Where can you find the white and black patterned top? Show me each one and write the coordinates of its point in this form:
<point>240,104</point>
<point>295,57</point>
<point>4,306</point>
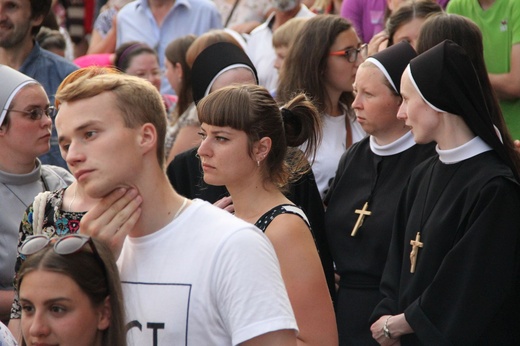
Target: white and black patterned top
<point>269,216</point>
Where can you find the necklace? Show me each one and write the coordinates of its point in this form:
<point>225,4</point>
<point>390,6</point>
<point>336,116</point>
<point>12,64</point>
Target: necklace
<point>364,212</point>
<point>181,208</point>
<point>427,212</point>
<point>73,198</point>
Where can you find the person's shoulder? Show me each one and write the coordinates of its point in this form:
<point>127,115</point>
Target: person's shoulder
<point>201,208</point>
<point>262,27</point>
<point>206,8</point>
<point>201,4</point>
<point>6,338</point>
<point>424,151</point>
<point>57,176</point>
<point>220,220</point>
<point>305,12</point>
<point>420,170</point>
<point>58,61</point>
<point>357,151</point>
<point>131,7</point>
<point>361,145</point>
<point>514,5</point>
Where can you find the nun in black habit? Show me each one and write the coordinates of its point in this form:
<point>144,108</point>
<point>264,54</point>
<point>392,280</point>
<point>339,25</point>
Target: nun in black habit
<point>362,200</point>
<point>452,273</point>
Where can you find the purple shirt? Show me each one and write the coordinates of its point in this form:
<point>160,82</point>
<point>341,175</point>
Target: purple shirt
<point>367,16</point>
<point>443,3</point>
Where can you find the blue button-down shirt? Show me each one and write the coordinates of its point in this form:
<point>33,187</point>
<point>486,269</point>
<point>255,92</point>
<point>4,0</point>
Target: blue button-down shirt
<point>135,22</point>
<point>49,70</point>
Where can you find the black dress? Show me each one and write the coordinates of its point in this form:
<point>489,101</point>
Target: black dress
<point>186,176</point>
<point>465,289</point>
<point>364,176</point>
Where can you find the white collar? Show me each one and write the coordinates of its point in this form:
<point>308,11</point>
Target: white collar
<point>403,143</point>
<point>469,149</point>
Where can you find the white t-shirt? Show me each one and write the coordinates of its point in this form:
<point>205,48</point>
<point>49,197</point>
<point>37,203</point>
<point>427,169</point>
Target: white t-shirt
<point>332,146</point>
<point>207,278</point>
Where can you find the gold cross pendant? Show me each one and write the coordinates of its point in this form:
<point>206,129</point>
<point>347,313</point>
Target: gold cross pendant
<point>362,213</point>
<point>416,244</point>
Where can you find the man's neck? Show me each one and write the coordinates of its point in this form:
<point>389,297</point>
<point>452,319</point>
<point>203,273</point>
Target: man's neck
<point>15,56</point>
<point>160,9</point>
<point>160,204</point>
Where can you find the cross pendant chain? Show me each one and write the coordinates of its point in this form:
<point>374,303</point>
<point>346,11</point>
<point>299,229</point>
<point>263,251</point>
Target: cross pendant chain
<point>362,213</point>
<point>416,244</point>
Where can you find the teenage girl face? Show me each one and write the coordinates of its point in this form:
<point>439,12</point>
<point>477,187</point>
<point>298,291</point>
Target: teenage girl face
<point>147,67</point>
<point>375,104</point>
<point>55,311</point>
<point>340,73</point>
<point>409,32</point>
<point>26,136</point>
<point>418,115</point>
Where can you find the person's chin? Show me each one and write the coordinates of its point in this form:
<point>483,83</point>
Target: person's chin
<point>97,189</point>
<point>208,179</point>
<point>420,139</point>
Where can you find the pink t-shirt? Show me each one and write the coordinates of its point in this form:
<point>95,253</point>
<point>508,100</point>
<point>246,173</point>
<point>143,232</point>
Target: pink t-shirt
<point>105,59</point>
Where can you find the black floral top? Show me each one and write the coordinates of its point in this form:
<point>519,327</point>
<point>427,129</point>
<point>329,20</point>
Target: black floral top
<point>56,223</point>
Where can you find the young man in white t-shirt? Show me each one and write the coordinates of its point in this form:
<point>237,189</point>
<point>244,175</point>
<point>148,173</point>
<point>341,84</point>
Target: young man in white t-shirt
<point>192,273</point>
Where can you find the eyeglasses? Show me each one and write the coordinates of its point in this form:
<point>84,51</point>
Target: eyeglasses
<point>36,113</point>
<point>352,53</point>
<point>65,245</point>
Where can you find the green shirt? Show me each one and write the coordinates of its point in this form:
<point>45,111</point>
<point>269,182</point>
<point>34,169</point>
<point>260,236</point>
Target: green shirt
<point>500,26</point>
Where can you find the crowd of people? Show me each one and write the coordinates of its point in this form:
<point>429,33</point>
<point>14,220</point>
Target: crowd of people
<point>282,172</point>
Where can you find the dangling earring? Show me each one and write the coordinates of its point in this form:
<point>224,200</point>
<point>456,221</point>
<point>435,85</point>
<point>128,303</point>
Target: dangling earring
<point>258,163</point>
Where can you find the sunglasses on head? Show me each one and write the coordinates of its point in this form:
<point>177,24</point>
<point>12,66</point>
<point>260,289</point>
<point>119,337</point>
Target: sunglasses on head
<point>65,245</point>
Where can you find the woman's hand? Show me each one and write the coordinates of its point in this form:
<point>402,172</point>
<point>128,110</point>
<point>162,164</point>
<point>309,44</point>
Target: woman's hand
<point>517,145</point>
<point>397,327</point>
<point>225,203</point>
<point>378,42</point>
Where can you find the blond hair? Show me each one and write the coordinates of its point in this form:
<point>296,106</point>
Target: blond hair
<point>284,36</point>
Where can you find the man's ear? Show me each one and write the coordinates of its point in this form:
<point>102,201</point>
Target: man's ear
<point>37,21</point>
<point>148,137</point>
